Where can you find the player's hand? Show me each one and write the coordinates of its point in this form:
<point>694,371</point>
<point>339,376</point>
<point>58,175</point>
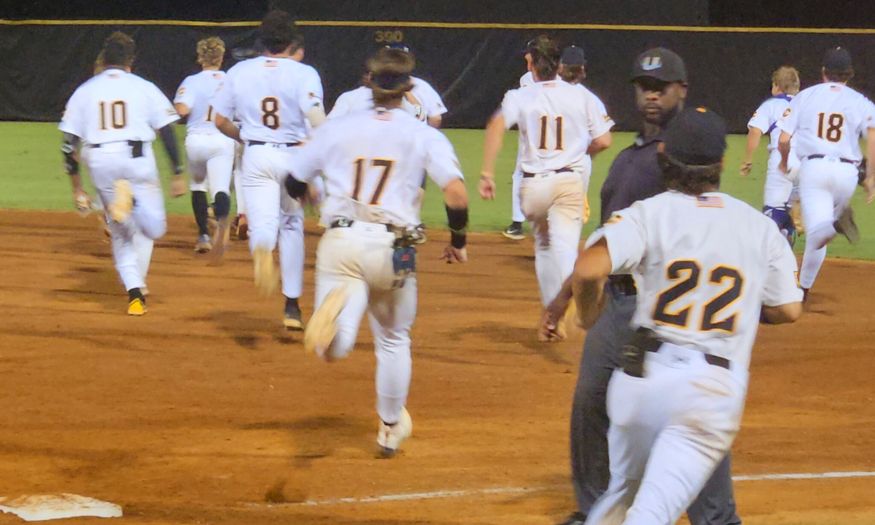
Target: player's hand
<point>782,167</point>
<point>744,171</point>
<point>454,255</point>
<point>314,196</point>
<point>177,186</point>
<point>82,202</point>
<point>487,187</point>
<point>549,330</point>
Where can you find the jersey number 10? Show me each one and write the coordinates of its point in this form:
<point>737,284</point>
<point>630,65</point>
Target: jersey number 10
<point>114,113</point>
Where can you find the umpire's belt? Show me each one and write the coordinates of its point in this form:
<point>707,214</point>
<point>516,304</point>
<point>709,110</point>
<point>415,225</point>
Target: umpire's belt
<point>622,285</point>
<point>136,146</point>
<point>842,159</point>
<point>644,341</point>
<point>262,143</point>
<point>527,175</point>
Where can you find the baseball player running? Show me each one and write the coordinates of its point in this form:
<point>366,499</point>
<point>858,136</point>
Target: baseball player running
<point>676,405</point>
<point>559,123</point>
<point>779,187</point>
<point>514,231</point>
<point>116,114</point>
<point>825,123</point>
<point>373,162</point>
<point>210,154</point>
<point>274,97</point>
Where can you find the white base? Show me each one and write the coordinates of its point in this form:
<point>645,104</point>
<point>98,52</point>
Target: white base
<point>45,507</point>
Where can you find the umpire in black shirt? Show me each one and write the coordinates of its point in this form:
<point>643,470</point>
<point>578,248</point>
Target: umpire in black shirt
<point>660,79</point>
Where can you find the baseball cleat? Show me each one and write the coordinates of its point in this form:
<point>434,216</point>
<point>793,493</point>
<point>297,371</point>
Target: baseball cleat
<point>292,316</point>
<point>514,231</point>
<point>137,307</point>
<point>266,275</point>
<point>847,227</point>
<point>322,327</point>
<point>389,437</point>
<point>123,202</point>
<point>242,228</point>
<point>220,241</point>
<point>203,244</point>
<point>420,237</point>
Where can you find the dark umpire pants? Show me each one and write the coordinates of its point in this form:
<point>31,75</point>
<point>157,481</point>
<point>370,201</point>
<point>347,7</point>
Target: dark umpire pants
<point>589,419</point>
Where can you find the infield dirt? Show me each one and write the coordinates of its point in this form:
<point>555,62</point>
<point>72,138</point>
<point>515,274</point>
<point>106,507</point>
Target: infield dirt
<point>206,411</point>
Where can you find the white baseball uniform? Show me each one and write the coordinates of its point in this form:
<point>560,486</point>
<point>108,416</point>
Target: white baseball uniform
<point>557,121</point>
<point>429,104</point>
<point>271,97</point>
<point>826,122</point>
<point>703,266</point>
<point>113,112</point>
<point>778,186</point>
<point>210,153</point>
<point>373,163</point>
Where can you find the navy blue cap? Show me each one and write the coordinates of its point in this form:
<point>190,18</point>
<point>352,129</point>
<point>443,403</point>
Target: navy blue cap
<point>837,59</point>
<point>696,136</point>
<point>400,46</point>
<point>660,63</point>
<point>572,56</point>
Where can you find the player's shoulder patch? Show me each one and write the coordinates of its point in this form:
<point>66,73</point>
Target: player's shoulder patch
<point>709,201</point>
<point>787,112</point>
<point>614,219</point>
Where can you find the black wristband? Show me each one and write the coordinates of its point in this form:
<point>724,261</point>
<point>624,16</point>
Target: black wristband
<point>457,219</point>
<point>68,148</point>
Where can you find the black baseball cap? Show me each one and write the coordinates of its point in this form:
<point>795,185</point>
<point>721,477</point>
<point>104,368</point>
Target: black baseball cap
<point>837,59</point>
<point>573,56</point>
<point>696,136</point>
<point>660,63</point>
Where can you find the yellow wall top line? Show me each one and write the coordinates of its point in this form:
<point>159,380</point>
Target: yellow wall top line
<point>450,25</point>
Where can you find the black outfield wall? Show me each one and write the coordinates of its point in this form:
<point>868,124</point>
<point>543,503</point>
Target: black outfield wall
<point>471,65</point>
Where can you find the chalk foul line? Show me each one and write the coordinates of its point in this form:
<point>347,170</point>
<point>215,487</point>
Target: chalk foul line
<point>505,491</point>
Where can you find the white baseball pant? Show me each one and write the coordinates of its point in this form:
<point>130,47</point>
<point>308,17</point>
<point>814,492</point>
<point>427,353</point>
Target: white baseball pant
<point>779,186</point>
<point>272,214</point>
<point>516,211</point>
<point>132,239</point>
<point>210,162</point>
<point>238,178</point>
<point>825,190</point>
<point>553,203</point>
<point>669,431</point>
<point>360,258</point>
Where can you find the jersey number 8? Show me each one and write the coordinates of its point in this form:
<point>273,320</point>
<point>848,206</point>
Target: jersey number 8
<point>687,272</point>
<point>270,108</point>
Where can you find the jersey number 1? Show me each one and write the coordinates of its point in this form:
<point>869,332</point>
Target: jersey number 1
<point>116,113</point>
<point>687,273</point>
<point>360,163</point>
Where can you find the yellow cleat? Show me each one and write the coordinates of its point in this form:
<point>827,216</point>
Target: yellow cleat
<point>266,275</point>
<point>322,326</point>
<point>136,307</point>
<point>123,201</point>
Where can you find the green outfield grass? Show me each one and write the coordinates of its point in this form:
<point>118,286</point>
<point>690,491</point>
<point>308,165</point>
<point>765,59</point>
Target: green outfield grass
<point>31,177</point>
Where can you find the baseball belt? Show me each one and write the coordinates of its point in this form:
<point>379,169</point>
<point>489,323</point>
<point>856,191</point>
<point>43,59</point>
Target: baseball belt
<point>527,175</point>
<point>262,143</point>
<point>136,147</point>
<point>842,159</point>
<point>644,340</point>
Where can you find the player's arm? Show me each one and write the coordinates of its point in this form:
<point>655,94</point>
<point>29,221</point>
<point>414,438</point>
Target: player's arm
<point>227,127</point>
<point>782,296</point>
<point>70,149</point>
<point>754,134</point>
<point>456,201</point>
<point>784,149</point>
<point>599,144</point>
<point>491,148</point>
<point>182,109</point>
<point>168,138</point>
<point>785,313</point>
<point>869,181</point>
<point>316,115</point>
<point>591,270</point>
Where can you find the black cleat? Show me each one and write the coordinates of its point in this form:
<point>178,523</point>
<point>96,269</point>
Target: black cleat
<point>514,231</point>
<point>292,316</point>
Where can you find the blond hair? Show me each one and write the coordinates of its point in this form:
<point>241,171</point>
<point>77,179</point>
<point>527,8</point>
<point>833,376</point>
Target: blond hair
<point>787,79</point>
<point>389,75</point>
<point>210,52</point>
